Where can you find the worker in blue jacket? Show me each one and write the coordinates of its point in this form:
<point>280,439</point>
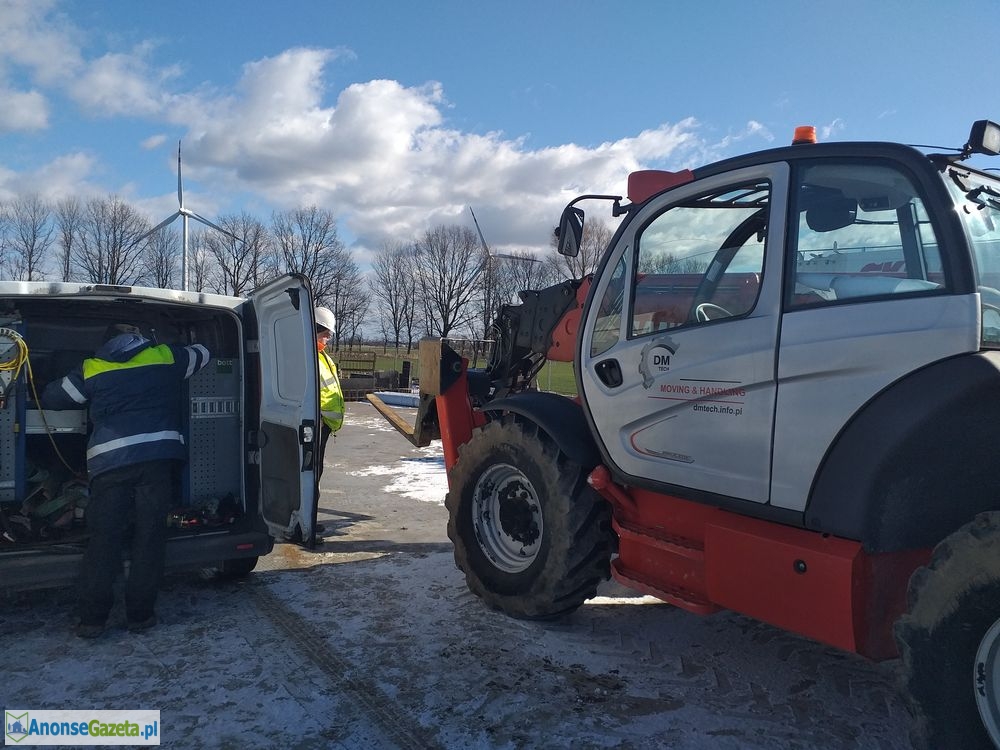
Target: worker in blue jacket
<point>133,388</point>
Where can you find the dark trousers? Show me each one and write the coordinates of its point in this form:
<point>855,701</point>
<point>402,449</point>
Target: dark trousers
<point>324,436</point>
<point>139,497</point>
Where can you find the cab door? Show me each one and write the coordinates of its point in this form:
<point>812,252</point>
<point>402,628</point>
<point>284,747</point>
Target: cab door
<point>871,302</point>
<point>288,430</point>
<point>680,336</point>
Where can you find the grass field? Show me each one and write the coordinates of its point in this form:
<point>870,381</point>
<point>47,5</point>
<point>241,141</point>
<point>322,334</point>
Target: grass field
<point>558,377</point>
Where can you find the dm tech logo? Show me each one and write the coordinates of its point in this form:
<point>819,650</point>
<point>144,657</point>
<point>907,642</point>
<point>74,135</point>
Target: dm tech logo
<point>15,726</point>
<point>655,359</point>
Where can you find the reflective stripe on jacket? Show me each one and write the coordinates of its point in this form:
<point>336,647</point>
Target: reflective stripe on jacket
<point>331,397</point>
<point>134,396</point>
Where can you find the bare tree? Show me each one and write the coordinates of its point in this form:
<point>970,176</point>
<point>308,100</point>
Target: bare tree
<point>394,289</point>
<point>349,299</point>
<point>528,271</point>
<point>491,290</point>
<point>502,278</point>
<point>109,247</point>
<point>201,264</point>
<point>449,260</point>
<point>160,258</point>
<point>308,243</point>
<point>4,225</point>
<point>410,316</point>
<point>664,262</point>
<point>69,218</point>
<point>31,232</point>
<point>244,263</point>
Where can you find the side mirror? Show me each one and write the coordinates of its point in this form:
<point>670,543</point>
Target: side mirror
<point>832,213</point>
<point>570,231</point>
<point>984,138</point>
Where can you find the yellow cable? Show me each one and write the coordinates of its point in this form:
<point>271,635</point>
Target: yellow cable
<point>21,360</point>
<point>22,353</point>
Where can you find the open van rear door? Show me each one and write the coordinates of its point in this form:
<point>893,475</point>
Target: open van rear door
<point>289,407</point>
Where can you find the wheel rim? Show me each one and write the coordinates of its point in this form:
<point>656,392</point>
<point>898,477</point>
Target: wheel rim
<point>986,681</point>
<point>507,517</point>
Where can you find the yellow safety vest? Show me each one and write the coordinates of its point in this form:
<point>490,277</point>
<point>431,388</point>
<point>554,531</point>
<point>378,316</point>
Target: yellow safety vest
<point>154,355</point>
<point>331,397</point>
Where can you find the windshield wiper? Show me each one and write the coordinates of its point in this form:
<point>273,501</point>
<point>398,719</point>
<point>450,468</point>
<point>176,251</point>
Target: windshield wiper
<point>978,196</point>
<point>982,195</point>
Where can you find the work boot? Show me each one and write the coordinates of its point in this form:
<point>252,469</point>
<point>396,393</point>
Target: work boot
<point>89,630</point>
<point>142,626</point>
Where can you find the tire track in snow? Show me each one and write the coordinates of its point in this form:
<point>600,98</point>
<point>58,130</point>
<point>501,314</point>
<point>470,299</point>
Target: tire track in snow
<point>384,713</point>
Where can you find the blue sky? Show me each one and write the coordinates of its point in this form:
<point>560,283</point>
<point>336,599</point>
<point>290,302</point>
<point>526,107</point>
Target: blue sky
<point>399,115</point>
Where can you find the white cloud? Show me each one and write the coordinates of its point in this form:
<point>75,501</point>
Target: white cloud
<point>23,110</point>
<point>65,176</point>
<point>40,44</point>
<point>756,128</point>
<point>382,155</point>
<point>35,38</point>
<point>385,158</point>
<point>828,131</point>
<point>154,141</point>
<point>122,84</point>
<point>753,129</point>
<point>36,47</point>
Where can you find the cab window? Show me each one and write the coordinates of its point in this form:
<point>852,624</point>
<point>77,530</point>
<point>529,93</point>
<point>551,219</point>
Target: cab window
<point>608,324</point>
<point>863,233</point>
<point>977,198</point>
<point>700,261</point>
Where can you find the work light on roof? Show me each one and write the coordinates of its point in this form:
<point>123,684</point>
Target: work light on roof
<point>984,139</point>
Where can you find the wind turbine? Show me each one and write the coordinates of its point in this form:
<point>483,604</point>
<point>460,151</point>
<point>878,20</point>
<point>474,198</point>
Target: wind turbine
<point>487,265</point>
<point>185,214</point>
<point>490,294</point>
<point>490,254</point>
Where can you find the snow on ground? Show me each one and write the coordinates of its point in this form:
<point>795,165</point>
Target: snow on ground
<point>622,671</point>
<point>421,478</point>
<point>372,421</point>
<point>374,641</point>
<point>395,652</point>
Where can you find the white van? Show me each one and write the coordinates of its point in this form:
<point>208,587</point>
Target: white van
<point>250,423</point>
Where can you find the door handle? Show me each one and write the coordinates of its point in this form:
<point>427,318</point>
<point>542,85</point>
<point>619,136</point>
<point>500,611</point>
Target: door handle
<point>609,372</point>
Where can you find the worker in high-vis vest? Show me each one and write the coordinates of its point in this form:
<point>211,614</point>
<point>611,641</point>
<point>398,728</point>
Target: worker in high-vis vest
<point>331,397</point>
<point>134,391</point>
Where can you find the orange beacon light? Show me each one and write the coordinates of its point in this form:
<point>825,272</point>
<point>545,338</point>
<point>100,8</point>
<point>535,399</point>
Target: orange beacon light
<point>804,134</point>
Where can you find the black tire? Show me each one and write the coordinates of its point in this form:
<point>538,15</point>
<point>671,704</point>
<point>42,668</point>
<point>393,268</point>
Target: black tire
<point>238,568</point>
<point>953,603</point>
<point>533,539</point>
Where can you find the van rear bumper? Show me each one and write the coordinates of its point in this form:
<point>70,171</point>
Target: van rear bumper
<point>59,565</point>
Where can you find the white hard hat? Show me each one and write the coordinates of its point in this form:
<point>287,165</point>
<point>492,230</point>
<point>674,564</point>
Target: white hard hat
<point>326,318</point>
